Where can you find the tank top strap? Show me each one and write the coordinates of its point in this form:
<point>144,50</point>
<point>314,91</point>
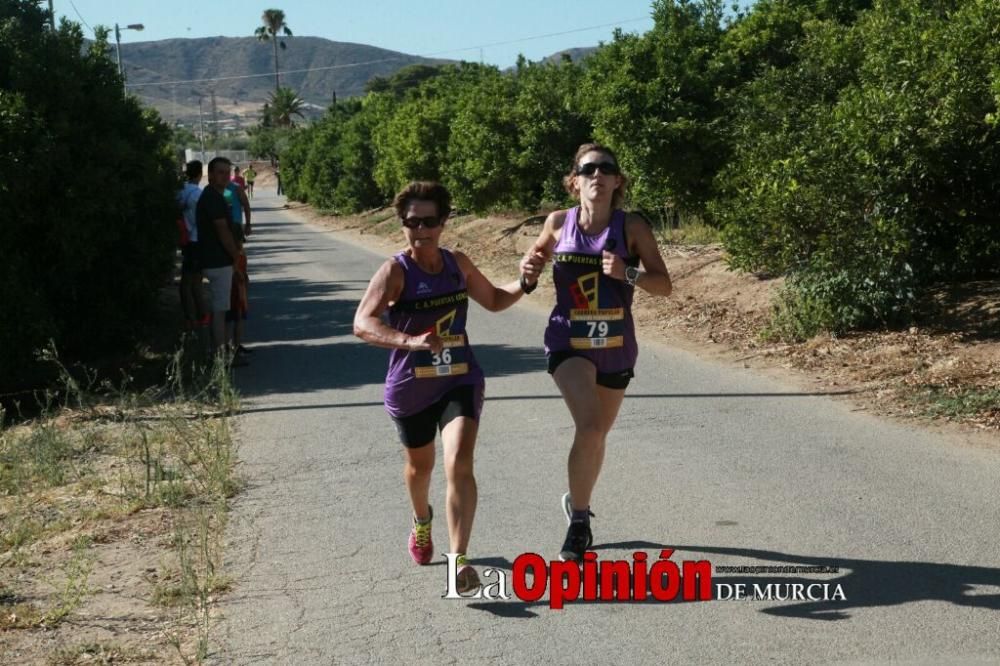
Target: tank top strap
<point>570,226</point>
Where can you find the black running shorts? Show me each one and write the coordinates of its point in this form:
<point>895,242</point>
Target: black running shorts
<point>421,428</point>
<point>611,380</point>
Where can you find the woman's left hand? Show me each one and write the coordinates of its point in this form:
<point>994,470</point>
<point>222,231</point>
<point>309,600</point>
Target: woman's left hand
<point>613,265</point>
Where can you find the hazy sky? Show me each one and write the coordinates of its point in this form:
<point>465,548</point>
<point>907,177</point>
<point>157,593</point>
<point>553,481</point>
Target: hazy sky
<point>447,28</point>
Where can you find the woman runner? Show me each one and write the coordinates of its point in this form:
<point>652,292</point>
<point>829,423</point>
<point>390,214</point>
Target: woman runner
<point>590,340</point>
<point>433,382</point>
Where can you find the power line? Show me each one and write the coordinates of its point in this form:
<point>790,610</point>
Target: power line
<point>390,59</point>
<point>80,16</point>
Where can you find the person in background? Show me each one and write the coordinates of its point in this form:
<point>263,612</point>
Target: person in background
<point>192,301</point>
<point>250,175</point>
<point>237,314</point>
<point>217,250</point>
<point>237,178</point>
<point>236,198</point>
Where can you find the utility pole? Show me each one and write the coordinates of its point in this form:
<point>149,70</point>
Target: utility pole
<point>215,122</point>
<point>118,50</point>
<point>201,123</point>
<point>52,17</point>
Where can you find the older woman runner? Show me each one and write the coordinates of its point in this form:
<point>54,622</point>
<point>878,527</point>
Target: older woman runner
<point>434,381</point>
<point>590,340</point>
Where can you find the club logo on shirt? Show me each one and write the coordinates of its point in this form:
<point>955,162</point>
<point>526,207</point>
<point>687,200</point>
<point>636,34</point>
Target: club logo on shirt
<point>584,292</point>
<point>444,323</point>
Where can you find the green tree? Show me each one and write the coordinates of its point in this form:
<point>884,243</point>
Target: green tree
<point>654,99</point>
<point>283,105</point>
<point>272,28</point>
<point>87,179</point>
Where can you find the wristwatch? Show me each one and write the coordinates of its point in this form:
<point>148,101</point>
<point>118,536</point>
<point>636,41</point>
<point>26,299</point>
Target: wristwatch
<point>528,288</point>
<point>631,275</point>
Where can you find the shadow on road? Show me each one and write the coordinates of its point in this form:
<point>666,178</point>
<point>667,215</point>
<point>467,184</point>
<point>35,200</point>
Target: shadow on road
<point>555,396</point>
<point>866,583</point>
<point>294,327</point>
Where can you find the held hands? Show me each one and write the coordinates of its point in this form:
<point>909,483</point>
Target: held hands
<point>532,265</point>
<point>613,265</point>
<point>429,340</point>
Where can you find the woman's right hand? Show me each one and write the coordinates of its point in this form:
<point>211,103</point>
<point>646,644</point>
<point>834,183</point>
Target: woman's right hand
<point>425,341</point>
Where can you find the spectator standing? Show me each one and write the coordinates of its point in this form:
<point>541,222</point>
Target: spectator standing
<point>192,301</point>
<point>237,178</point>
<point>217,249</point>
<point>236,198</point>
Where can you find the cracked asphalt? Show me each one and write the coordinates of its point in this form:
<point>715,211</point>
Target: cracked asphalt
<point>707,459</point>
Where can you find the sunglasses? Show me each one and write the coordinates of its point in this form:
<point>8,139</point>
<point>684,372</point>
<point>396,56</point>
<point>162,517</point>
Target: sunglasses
<point>428,222</point>
<point>590,168</point>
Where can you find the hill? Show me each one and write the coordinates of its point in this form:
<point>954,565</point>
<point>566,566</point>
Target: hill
<point>238,100</point>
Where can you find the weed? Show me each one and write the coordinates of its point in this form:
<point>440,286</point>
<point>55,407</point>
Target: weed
<point>957,403</point>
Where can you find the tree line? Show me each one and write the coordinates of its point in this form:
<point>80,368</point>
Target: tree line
<point>851,145</point>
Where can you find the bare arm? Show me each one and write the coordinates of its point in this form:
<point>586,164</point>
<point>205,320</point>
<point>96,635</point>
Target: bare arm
<point>654,278</point>
<point>385,288</point>
<point>534,261</point>
<point>245,203</point>
<point>482,291</point>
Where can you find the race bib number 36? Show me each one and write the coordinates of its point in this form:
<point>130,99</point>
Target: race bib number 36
<point>597,329</point>
<point>451,361</point>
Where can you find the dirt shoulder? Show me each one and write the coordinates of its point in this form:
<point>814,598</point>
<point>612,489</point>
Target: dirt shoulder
<point>113,502</point>
<point>942,373</point>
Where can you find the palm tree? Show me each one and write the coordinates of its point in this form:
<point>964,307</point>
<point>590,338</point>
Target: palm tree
<point>273,23</point>
<point>282,105</point>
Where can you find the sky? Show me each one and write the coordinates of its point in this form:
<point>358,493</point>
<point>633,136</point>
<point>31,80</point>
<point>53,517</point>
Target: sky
<point>455,29</point>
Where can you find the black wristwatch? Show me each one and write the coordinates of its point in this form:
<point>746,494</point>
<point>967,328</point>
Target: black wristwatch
<point>528,288</point>
<point>631,275</point>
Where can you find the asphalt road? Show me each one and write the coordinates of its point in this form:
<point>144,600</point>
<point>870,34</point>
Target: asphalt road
<point>709,460</point>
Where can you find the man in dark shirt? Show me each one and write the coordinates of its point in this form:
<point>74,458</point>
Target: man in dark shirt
<point>216,245</point>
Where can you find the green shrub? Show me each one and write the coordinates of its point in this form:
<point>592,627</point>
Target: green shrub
<point>87,180</point>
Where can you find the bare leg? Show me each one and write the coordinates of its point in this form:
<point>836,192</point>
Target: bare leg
<point>459,446</point>
<point>594,409</point>
<point>417,474</point>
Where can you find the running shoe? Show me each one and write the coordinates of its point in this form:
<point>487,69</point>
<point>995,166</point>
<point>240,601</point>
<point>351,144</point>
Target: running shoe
<point>466,580</point>
<point>578,539</point>
<point>420,545</point>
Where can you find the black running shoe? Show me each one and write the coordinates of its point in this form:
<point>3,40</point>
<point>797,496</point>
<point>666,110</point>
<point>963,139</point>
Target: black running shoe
<point>578,540</point>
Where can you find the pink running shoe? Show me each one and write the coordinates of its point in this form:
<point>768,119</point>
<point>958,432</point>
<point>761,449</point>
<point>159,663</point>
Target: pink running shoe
<point>420,544</point>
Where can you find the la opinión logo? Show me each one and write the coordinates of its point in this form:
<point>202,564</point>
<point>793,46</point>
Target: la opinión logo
<point>638,579</point>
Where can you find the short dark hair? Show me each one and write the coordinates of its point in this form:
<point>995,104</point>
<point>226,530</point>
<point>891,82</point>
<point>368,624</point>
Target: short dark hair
<point>193,169</point>
<point>423,190</point>
<point>219,160</point>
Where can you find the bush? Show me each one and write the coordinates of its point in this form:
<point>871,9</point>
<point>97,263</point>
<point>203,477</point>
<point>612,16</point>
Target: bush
<point>88,184</point>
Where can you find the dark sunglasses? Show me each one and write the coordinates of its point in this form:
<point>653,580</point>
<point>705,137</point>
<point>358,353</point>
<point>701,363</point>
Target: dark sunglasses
<point>590,168</point>
<point>428,222</point>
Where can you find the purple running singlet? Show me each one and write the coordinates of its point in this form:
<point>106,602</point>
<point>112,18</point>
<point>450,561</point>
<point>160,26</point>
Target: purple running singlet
<point>593,313</point>
<point>435,303</point>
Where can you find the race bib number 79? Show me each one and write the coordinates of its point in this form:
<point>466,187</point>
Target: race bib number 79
<point>597,328</point>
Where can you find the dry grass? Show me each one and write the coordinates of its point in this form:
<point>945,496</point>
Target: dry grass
<point>108,495</point>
